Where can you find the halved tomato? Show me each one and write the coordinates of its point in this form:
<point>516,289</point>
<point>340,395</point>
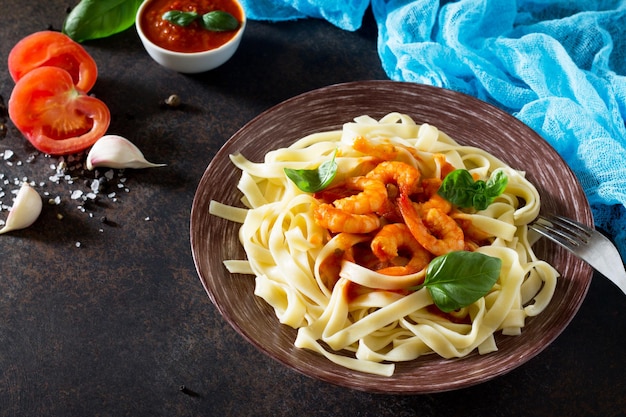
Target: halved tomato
<point>48,48</point>
<point>54,115</point>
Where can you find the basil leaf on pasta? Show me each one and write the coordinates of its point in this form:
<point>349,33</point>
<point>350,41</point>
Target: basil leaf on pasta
<point>458,279</point>
<point>459,188</point>
<point>313,180</point>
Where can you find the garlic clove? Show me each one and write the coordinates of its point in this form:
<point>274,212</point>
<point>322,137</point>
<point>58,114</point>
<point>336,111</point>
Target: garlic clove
<point>113,151</point>
<point>26,209</point>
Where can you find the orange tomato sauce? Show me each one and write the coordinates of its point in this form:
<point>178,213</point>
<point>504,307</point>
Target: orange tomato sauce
<point>191,38</point>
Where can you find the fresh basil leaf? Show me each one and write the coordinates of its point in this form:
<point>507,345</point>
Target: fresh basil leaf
<point>219,21</point>
<point>459,188</point>
<point>459,278</point>
<point>496,184</point>
<point>93,19</point>
<point>313,180</point>
<point>180,18</point>
<point>480,199</point>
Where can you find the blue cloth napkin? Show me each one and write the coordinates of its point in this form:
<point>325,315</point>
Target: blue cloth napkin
<point>345,14</point>
<point>557,65</point>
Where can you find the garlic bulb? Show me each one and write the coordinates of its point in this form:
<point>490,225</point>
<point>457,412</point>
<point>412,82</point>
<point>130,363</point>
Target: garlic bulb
<point>113,151</point>
<point>26,209</point>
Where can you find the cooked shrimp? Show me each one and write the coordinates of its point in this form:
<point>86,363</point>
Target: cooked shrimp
<point>385,150</point>
<point>390,212</point>
<point>405,176</point>
<point>436,201</point>
<point>372,196</point>
<point>391,242</point>
<point>431,199</point>
<point>430,186</point>
<point>437,232</point>
<point>338,249</point>
<point>337,220</point>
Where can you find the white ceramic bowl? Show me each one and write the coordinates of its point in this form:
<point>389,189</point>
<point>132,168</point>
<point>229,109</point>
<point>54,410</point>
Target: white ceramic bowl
<point>190,62</point>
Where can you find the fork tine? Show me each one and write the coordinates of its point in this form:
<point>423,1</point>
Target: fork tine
<point>553,230</point>
<point>584,242</point>
<point>564,222</point>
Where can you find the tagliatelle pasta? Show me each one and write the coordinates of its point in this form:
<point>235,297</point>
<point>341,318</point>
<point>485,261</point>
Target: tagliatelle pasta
<point>360,317</point>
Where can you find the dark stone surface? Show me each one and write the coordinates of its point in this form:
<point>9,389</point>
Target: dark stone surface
<point>117,325</point>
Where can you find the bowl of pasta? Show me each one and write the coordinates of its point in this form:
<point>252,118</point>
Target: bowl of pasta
<point>331,233</point>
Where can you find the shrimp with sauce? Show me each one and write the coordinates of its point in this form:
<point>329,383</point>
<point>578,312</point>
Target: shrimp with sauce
<point>371,197</point>
<point>393,241</point>
<point>337,220</point>
<point>474,236</point>
<point>430,187</point>
<point>436,231</point>
<point>435,201</point>
<point>384,150</point>
<point>401,174</point>
<point>340,248</point>
<point>354,213</point>
<point>398,177</point>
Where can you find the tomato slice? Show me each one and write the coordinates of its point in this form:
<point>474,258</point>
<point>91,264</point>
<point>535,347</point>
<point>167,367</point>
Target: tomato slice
<point>54,115</point>
<point>48,48</point>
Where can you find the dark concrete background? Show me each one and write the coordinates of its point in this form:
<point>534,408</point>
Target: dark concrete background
<point>108,318</point>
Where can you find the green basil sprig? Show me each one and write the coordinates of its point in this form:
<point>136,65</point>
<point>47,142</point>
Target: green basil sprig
<point>459,278</point>
<point>215,21</point>
<point>180,18</point>
<point>459,188</point>
<point>219,21</point>
<point>93,19</point>
<point>313,180</point>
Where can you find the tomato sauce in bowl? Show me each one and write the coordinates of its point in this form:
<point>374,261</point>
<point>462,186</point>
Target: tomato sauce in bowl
<point>191,38</point>
<point>191,48</point>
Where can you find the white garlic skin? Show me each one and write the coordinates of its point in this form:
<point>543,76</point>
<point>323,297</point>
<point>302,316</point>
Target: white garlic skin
<point>26,209</point>
<point>113,151</point>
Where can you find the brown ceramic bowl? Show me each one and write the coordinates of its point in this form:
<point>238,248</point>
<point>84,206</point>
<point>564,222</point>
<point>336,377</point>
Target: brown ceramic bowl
<point>470,122</point>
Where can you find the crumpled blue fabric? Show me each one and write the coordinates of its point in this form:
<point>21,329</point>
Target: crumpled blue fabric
<point>557,65</point>
<point>345,14</point>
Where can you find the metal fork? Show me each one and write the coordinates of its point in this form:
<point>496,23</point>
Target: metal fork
<point>586,243</point>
